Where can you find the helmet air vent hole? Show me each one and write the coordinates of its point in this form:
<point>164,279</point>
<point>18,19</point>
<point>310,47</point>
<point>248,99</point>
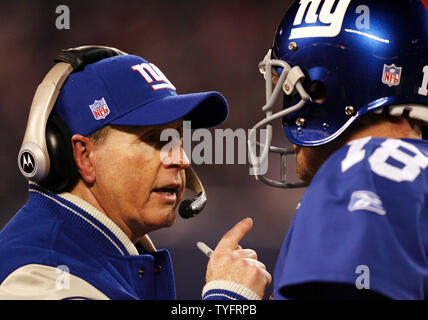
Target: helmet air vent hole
<point>318,92</point>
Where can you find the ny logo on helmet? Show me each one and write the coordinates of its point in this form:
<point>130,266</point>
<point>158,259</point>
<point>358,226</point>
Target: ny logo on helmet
<point>332,20</point>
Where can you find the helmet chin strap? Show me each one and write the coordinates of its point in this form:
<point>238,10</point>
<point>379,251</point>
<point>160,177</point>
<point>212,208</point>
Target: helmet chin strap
<point>290,81</point>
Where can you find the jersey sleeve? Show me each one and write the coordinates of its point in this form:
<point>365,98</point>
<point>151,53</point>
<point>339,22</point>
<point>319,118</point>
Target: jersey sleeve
<point>358,227</point>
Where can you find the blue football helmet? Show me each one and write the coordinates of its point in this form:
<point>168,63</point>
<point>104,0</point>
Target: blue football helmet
<point>336,60</point>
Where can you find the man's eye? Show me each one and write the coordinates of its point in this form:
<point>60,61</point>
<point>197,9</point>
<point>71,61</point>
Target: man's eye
<point>155,140</point>
<point>152,138</point>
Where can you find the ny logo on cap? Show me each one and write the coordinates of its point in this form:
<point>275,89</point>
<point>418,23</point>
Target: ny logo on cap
<point>99,109</point>
<point>151,74</point>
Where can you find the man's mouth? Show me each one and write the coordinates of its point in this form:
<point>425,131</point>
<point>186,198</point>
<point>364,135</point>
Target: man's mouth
<point>169,192</point>
<point>166,191</point>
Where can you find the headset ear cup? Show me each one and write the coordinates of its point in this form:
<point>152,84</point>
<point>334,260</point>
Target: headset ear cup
<point>63,174</point>
<point>425,132</point>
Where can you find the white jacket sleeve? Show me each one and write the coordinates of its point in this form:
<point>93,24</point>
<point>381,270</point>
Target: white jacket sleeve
<point>40,282</point>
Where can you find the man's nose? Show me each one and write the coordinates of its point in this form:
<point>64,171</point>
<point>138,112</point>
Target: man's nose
<point>176,157</point>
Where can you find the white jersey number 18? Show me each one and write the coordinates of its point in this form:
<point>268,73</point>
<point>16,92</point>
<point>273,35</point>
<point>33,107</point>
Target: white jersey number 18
<point>394,159</point>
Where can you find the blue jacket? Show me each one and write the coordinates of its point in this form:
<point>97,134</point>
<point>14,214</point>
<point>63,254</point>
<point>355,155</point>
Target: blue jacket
<point>59,230</point>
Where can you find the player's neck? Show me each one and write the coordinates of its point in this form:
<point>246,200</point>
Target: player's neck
<point>397,129</point>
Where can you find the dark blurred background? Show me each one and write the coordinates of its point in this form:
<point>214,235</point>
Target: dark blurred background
<point>200,46</point>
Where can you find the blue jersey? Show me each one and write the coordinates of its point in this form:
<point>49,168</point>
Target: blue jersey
<point>363,221</point>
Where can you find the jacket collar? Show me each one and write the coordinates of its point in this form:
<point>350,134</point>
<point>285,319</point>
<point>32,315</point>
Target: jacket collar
<point>97,221</point>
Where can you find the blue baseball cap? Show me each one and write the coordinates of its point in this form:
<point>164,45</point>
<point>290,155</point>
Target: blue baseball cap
<point>128,90</point>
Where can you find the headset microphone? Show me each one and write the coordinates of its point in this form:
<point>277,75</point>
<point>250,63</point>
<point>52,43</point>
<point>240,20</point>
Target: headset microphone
<point>190,208</point>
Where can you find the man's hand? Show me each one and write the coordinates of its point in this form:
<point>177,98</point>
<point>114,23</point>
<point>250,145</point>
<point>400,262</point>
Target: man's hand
<point>230,262</point>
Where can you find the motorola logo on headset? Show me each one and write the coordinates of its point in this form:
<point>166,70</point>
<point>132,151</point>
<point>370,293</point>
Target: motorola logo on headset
<point>27,163</point>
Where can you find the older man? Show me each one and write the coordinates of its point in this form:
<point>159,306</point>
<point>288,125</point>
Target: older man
<point>88,239</point>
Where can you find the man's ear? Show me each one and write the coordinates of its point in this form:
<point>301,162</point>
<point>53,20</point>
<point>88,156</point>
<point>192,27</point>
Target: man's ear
<point>83,147</point>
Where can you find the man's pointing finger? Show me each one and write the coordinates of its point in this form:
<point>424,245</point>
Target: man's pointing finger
<point>231,239</point>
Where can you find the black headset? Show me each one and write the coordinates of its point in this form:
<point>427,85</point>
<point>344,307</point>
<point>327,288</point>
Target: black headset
<point>46,154</point>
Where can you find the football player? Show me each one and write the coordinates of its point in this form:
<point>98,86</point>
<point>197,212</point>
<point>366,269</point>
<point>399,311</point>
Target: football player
<point>354,80</point>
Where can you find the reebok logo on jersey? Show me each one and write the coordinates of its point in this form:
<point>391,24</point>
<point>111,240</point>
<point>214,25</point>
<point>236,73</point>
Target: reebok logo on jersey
<point>366,201</point>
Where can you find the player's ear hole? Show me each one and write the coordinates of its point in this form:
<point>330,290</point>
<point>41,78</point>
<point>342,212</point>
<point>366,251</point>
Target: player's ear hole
<point>318,92</point>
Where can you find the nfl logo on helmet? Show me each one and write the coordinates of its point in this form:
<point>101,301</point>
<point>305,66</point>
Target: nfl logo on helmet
<point>99,109</point>
<point>391,75</point>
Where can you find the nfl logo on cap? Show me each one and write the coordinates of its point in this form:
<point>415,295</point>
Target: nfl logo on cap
<point>391,75</point>
<point>100,109</point>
